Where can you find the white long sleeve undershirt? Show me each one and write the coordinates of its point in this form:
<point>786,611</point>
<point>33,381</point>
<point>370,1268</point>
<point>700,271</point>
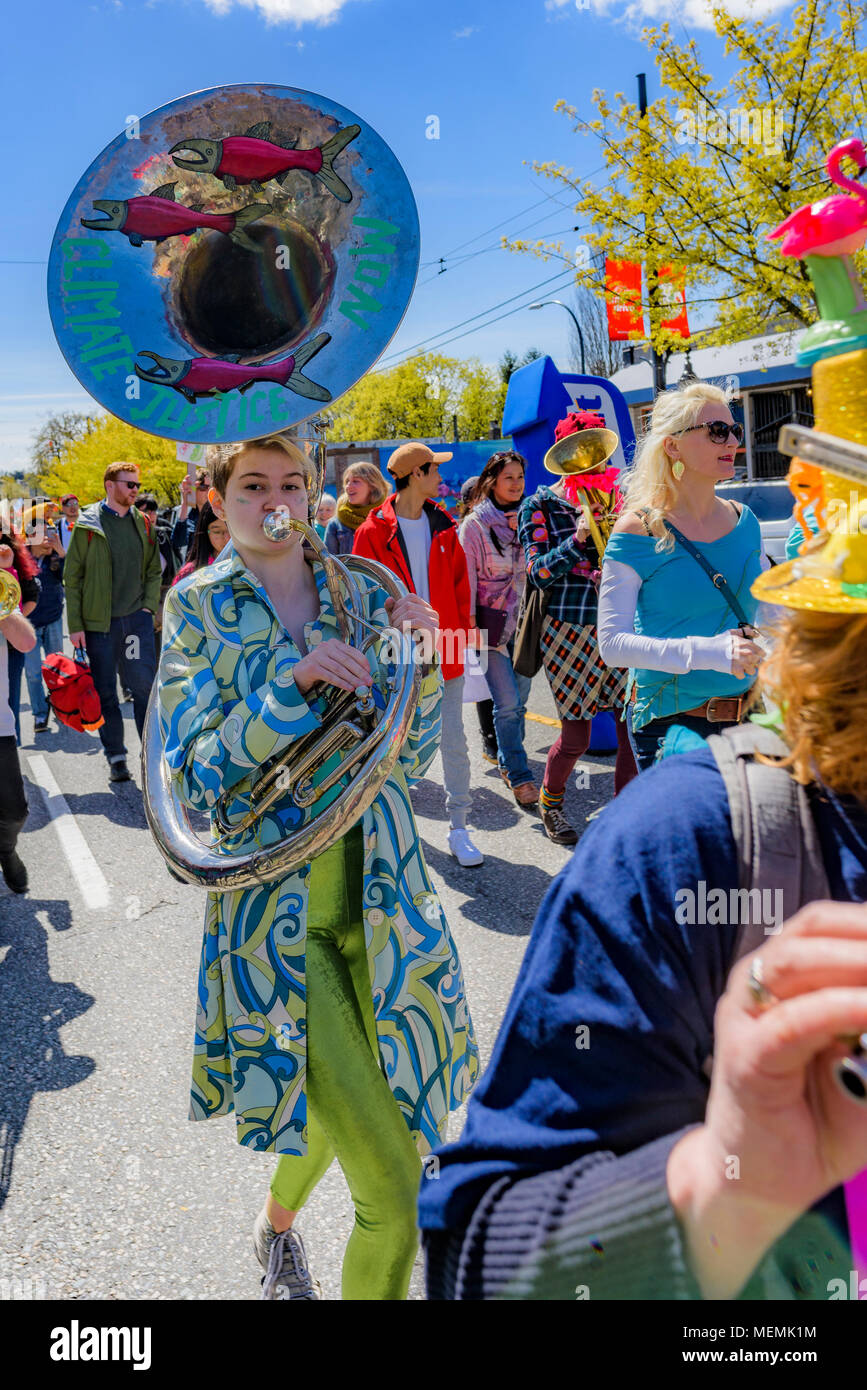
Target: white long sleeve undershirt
<point>620,645</point>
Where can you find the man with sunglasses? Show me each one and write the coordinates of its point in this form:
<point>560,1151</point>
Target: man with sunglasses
<point>112,582</point>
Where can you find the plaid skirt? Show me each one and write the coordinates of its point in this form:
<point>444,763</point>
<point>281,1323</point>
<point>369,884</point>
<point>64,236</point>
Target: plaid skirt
<point>580,682</point>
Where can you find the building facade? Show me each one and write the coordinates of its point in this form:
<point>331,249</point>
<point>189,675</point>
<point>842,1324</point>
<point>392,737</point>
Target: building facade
<point>769,390</point>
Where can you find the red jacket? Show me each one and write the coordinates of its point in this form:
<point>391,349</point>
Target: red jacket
<point>379,538</point>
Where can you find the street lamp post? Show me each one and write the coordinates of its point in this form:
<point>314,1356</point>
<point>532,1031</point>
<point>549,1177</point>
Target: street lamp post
<point>542,304</point>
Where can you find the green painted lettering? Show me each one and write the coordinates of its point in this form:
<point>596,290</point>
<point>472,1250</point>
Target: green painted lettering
<point>165,416</point>
<point>278,405</point>
<point>102,310</point>
<point>365,301</point>
<point>373,271</point>
<point>223,416</point>
<point>257,403</point>
<point>376,224</point>
<point>142,412</point>
<point>120,364</point>
<point>90,288</point>
<point>117,344</point>
<point>71,253</point>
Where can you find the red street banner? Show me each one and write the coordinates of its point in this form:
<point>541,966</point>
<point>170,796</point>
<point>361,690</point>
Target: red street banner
<point>625,314</point>
<point>672,296</point>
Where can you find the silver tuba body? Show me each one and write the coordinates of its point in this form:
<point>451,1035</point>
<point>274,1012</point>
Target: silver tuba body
<point>369,738</point>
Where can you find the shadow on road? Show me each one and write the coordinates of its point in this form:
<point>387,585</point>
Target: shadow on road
<point>33,1009</point>
<point>500,896</point>
<point>122,804</point>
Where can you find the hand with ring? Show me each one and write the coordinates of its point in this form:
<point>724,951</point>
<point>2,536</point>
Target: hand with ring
<point>778,1133</point>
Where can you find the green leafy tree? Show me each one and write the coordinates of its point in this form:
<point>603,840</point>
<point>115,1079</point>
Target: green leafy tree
<point>417,399</point>
<point>508,363</point>
<point>110,440</point>
<point>481,402</point>
<point>700,179</point>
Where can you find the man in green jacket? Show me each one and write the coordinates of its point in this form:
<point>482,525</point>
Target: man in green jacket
<point>112,583</point>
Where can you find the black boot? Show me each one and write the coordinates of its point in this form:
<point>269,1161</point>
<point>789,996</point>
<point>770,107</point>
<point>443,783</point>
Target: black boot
<point>14,872</point>
<point>119,772</point>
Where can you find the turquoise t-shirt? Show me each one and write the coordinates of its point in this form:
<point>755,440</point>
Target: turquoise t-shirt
<point>677,599</point>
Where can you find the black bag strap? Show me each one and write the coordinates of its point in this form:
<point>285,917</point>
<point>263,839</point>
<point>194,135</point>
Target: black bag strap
<point>718,579</point>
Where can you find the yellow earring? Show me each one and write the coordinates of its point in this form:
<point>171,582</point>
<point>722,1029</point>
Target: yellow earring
<point>677,469</point>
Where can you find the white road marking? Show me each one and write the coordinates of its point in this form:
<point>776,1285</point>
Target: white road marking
<point>87,873</point>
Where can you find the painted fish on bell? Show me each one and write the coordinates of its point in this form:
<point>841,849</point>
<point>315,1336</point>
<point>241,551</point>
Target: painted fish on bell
<point>157,215</point>
<point>203,376</point>
<point>253,158</point>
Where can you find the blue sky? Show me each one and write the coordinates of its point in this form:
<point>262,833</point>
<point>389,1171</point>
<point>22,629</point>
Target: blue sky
<point>490,70</point>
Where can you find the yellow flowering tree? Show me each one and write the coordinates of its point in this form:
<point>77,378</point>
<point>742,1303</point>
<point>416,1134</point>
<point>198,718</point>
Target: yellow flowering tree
<point>698,180</point>
<point>82,462</point>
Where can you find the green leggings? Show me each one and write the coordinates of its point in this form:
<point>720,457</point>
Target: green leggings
<point>351,1113</point>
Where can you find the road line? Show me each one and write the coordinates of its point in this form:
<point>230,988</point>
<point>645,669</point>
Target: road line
<point>543,719</point>
<point>87,873</point>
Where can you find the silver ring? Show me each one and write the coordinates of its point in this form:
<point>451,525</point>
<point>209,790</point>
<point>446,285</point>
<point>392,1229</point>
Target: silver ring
<point>761,995</point>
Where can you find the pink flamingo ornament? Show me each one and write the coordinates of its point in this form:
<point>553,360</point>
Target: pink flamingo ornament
<point>836,226</point>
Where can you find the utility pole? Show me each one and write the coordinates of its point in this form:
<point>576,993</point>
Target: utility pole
<point>657,362</point>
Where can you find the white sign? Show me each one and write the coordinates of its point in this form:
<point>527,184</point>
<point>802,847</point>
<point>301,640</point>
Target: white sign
<point>191,453</point>
<point>585,395</point>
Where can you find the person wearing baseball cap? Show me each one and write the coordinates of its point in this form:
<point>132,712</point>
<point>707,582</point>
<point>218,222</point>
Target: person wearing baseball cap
<point>68,517</point>
<point>418,541</point>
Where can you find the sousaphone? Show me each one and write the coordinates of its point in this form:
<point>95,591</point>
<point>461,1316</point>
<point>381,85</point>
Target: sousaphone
<point>229,265</point>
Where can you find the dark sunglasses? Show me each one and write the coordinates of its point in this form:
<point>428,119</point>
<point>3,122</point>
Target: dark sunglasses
<point>123,483</point>
<point>718,431</point>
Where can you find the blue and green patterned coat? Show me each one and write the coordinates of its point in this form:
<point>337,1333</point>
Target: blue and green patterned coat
<point>228,701</point>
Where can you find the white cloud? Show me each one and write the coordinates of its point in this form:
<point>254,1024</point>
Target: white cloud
<point>465,33</point>
<point>694,14</point>
<point>285,11</point>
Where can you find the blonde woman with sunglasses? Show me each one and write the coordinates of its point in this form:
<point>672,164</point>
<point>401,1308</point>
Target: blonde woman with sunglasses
<point>675,605</point>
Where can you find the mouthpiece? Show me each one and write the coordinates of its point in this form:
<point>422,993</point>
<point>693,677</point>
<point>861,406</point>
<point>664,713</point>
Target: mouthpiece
<point>279,525</point>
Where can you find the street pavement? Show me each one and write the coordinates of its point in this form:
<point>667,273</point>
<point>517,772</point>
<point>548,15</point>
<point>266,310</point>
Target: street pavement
<point>110,1193</point>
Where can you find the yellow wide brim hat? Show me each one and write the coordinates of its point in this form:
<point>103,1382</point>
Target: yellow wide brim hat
<point>829,575</point>
<point>582,452</point>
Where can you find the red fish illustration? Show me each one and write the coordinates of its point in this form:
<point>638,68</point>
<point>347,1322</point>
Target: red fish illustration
<point>253,158</point>
<point>202,376</point>
<point>157,216</point>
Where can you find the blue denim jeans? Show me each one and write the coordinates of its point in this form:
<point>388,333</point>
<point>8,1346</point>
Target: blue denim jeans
<point>104,650</point>
<point>647,741</point>
<point>49,638</point>
<point>509,692</point>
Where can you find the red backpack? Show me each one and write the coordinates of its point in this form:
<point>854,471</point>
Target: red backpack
<point>71,691</point>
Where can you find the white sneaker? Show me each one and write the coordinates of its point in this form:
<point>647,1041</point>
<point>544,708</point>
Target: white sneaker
<point>462,847</point>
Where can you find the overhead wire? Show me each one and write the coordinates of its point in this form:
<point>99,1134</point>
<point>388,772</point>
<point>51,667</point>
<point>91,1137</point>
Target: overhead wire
<point>425,342</point>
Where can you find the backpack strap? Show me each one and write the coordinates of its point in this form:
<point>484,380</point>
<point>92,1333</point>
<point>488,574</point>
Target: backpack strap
<point>773,827</point>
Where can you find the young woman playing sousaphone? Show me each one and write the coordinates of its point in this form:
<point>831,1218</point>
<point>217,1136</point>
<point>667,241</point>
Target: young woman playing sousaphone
<point>332,1017</point>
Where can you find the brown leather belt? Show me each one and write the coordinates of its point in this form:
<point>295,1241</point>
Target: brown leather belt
<point>720,709</point>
